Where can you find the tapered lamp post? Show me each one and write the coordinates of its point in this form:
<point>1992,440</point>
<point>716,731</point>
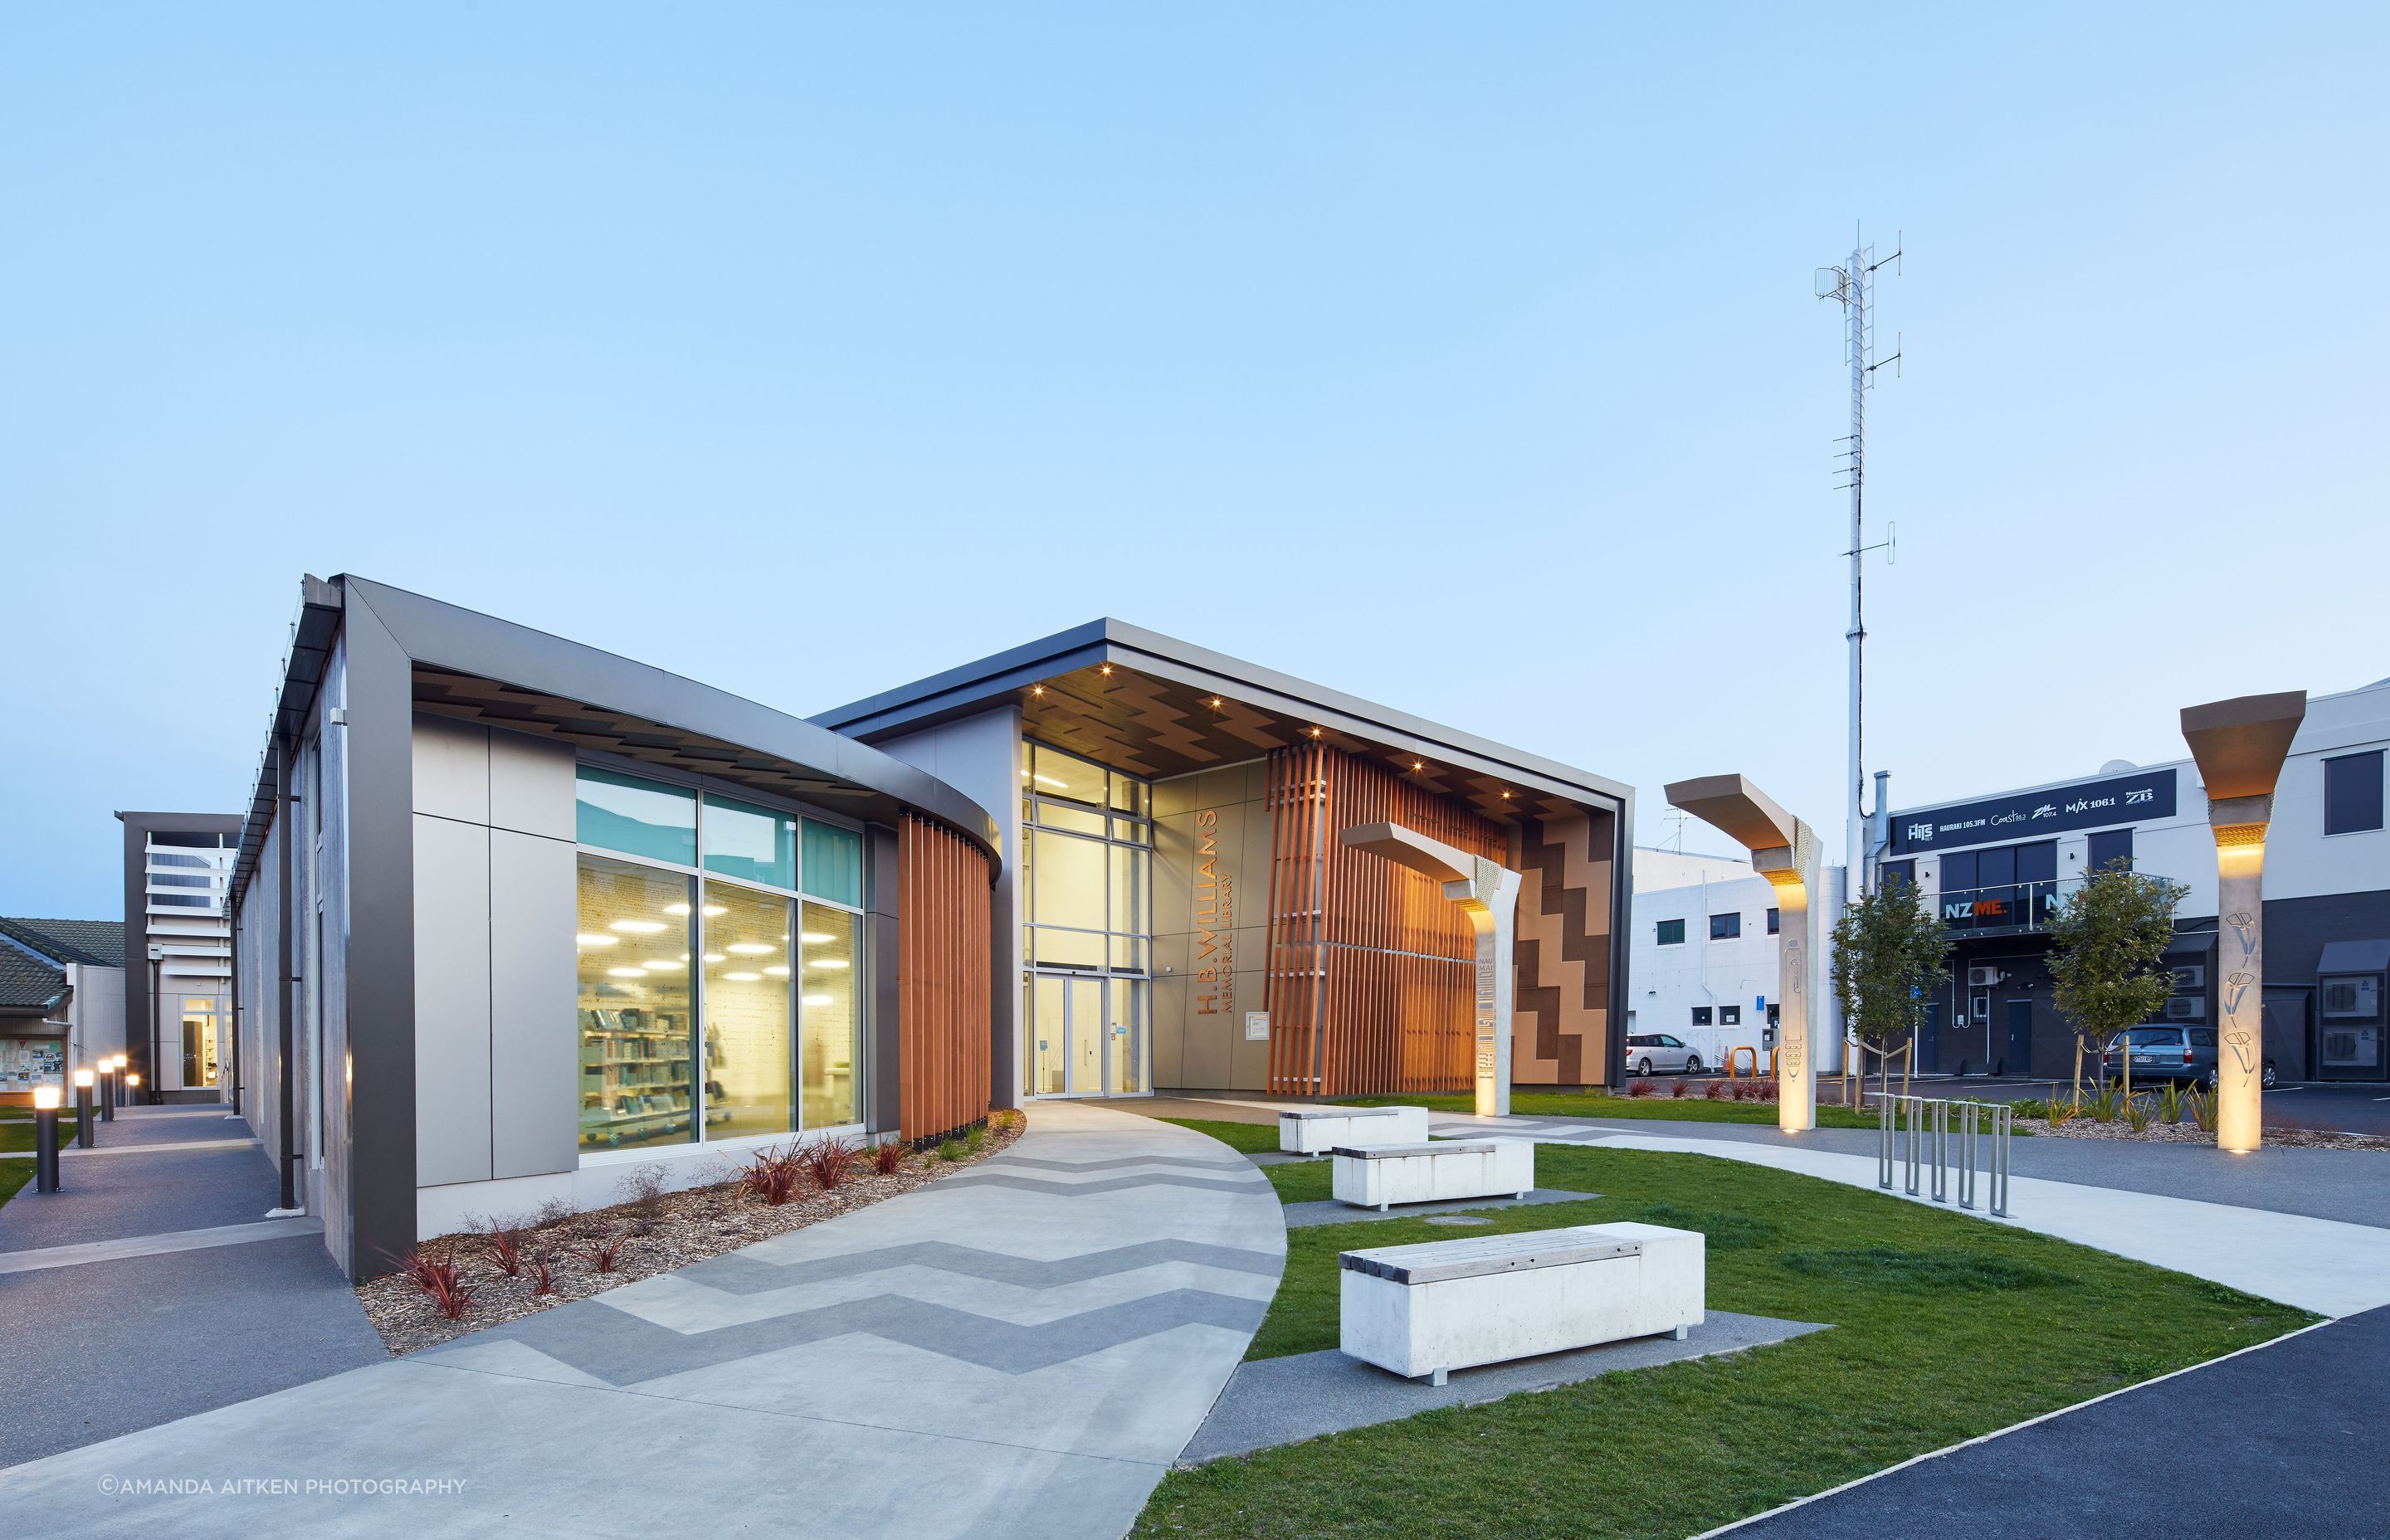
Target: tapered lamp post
<point>1488,894</point>
<point>83,1109</point>
<point>1784,852</point>
<point>108,1089</point>
<point>2240,745</point>
<point>45,1138</point>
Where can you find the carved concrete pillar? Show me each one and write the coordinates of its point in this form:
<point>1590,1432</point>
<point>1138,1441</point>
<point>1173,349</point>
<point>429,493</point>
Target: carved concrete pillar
<point>2240,745</point>
<point>1784,852</point>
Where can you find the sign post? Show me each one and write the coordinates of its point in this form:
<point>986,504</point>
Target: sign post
<point>1784,852</point>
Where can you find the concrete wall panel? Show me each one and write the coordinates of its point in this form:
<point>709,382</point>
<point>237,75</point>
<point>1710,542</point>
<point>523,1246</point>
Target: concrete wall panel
<point>534,1055</point>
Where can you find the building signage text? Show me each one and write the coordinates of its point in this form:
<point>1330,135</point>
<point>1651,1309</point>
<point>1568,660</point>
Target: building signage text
<point>2142,796</point>
<point>1216,920</point>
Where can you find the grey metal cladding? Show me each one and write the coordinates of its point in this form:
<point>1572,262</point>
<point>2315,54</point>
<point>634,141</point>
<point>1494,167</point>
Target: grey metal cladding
<point>449,636</point>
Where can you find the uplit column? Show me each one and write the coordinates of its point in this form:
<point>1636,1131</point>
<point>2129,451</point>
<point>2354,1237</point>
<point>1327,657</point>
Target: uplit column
<point>2238,746</point>
<point>1488,894</point>
<point>1784,851</point>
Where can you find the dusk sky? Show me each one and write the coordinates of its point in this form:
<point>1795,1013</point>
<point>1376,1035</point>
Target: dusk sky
<point>1462,358</point>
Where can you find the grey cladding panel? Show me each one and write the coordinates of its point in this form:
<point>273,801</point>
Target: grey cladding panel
<point>530,785</point>
<point>452,769</point>
<point>452,1001</point>
<point>535,1042</point>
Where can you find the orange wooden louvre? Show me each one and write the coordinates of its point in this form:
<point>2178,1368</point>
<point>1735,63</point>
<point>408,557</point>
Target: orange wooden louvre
<point>942,979</point>
<point>1372,982</point>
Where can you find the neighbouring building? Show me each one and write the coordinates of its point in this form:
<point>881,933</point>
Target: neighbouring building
<point>513,916</point>
<point>61,1000</point>
<point>1704,959</point>
<point>1994,867</point>
<point>178,963</point>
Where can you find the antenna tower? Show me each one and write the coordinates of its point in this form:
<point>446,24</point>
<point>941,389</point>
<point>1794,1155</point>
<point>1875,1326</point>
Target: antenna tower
<point>1853,283</point>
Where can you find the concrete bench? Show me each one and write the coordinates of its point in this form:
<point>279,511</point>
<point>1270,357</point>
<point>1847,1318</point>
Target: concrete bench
<point>1437,1169</point>
<point>1454,1305</point>
<point>1317,1130</point>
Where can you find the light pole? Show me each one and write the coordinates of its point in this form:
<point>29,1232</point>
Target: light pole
<point>108,1088</point>
<point>83,1109</point>
<point>157,961</point>
<point>2238,746</point>
<point>1784,852</point>
<point>45,1138</point>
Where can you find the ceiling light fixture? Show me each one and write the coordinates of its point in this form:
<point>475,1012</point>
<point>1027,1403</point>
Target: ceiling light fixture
<point>626,973</point>
<point>825,962</point>
<point>751,948</point>
<point>818,999</point>
<point>714,910</point>
<point>592,943</point>
<point>777,971</point>
<point>663,967</point>
<point>675,909</point>
<point>815,938</point>
<point>714,958</point>
<point>742,978</point>
<point>639,927</point>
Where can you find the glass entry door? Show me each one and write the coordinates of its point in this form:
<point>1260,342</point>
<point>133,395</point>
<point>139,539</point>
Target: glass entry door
<point>1084,1036</point>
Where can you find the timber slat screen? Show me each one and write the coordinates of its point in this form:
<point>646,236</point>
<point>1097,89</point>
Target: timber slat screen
<point>1372,977</point>
<point>941,979</point>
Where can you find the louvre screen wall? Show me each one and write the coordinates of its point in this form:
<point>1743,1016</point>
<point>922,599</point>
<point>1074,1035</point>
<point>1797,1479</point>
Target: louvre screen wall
<point>942,1000</point>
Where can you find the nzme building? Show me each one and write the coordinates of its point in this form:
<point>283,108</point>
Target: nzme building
<point>512,917</point>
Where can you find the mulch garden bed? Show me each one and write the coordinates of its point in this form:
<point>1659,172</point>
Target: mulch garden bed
<point>651,1234</point>
<point>2184,1132</point>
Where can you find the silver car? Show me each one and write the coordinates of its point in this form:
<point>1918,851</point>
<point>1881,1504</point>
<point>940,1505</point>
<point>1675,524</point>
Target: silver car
<point>1656,1052</point>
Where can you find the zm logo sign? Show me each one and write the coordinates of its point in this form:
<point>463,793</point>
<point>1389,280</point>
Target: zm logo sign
<point>2089,804</point>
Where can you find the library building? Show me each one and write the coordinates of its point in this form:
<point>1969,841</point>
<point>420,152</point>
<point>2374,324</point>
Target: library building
<point>511,916</point>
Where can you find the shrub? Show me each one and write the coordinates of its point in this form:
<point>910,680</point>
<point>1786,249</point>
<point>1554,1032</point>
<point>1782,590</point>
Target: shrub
<point>1679,1089</point>
<point>505,1244</point>
<point>2029,1107</point>
<point>2063,1111</point>
<point>543,1275</point>
<point>770,1175</point>
<point>439,1279</point>
<point>976,1137</point>
<point>1717,1090</point>
<point>2137,1113</point>
<point>1767,1090</point>
<point>828,1161</point>
<point>2170,1103</point>
<point>951,1150</point>
<point>1008,1119</point>
<point>643,1192</point>
<point>1641,1088</point>
<point>603,1253</point>
<point>888,1157</point>
<point>2102,1104</point>
<point>556,1211</point>
<point>2202,1109</point>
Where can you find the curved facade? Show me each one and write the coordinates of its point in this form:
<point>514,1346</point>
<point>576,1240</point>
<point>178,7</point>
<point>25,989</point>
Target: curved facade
<point>545,916</point>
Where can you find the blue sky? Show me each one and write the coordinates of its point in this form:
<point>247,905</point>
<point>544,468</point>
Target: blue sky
<point>1464,358</point>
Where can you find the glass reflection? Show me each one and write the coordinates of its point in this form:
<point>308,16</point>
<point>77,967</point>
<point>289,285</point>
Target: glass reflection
<point>747,978</point>
<point>636,1037</point>
<point>830,1018</point>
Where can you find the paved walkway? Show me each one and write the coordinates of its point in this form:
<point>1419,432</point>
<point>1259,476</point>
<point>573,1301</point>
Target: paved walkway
<point>1020,1350</point>
<point>2287,1439</point>
<point>153,1288</point>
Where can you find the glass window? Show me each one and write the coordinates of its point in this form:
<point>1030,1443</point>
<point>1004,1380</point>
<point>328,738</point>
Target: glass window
<point>1062,816</point>
<point>1128,889</point>
<point>636,1034</point>
<point>833,864</point>
<point>199,1044</point>
<point>179,901</point>
<point>1135,833</point>
<point>2352,793</point>
<point>1067,887</point>
<point>1070,948</point>
<point>1700,1016</point>
<point>829,1050</point>
<point>1729,1016</point>
<point>1128,795</point>
<point>1672,932</point>
<point>638,817</point>
<point>1725,927</point>
<point>2106,847</point>
<point>746,985</point>
<point>1774,922</point>
<point>168,879</point>
<point>754,843</point>
<point>168,858</point>
<point>1054,774</point>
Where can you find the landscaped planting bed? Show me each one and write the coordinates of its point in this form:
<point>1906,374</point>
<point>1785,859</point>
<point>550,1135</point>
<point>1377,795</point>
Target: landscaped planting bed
<point>1946,1328</point>
<point>1742,1100</point>
<point>650,1232</point>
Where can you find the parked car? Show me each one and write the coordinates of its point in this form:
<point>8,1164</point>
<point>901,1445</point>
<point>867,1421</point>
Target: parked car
<point>1656,1051</point>
<point>2169,1053</point>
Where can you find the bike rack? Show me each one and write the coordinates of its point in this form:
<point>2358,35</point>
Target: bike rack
<point>1930,1141</point>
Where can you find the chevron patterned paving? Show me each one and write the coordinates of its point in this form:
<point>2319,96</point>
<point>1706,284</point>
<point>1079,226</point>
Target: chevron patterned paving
<point>741,1273</point>
<point>1114,1184</point>
<point>1117,1163</point>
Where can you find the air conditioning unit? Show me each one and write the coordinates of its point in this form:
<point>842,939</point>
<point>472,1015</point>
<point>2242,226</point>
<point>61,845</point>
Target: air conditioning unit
<point>1984,977</point>
<point>2190,976</point>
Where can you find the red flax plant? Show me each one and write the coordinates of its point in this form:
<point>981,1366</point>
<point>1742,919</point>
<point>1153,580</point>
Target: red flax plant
<point>828,1162</point>
<point>439,1281</point>
<point>1679,1089</point>
<point>542,1272</point>
<point>602,1253</point>
<point>506,1250</point>
<point>771,1174</point>
<point>888,1157</point>
<point>1641,1089</point>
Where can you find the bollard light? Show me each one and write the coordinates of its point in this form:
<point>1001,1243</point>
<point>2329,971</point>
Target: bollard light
<point>83,1109</point>
<point>45,1138</point>
<point>108,1088</point>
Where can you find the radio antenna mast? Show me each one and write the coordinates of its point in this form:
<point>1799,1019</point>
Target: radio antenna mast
<point>1853,285</point>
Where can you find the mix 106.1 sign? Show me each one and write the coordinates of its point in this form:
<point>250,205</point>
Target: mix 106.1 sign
<point>2132,798</point>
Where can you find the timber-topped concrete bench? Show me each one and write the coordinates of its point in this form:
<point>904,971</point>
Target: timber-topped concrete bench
<point>1373,1176</point>
<point>1454,1305</point>
<point>1317,1130</point>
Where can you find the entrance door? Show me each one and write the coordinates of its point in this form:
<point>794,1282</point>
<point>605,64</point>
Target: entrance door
<point>2020,1057</point>
<point>1072,1037</point>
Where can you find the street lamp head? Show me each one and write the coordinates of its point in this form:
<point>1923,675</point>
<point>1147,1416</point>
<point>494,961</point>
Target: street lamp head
<point>45,1099</point>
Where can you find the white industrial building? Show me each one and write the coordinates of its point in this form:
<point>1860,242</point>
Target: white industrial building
<point>1702,961</point>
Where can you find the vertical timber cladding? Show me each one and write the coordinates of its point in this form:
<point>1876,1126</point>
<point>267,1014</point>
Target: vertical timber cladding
<point>1372,984</point>
<point>1561,1015</point>
<point>943,1004</point>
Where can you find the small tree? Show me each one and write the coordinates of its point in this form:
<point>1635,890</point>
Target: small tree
<point>2107,946</point>
<point>1889,952</point>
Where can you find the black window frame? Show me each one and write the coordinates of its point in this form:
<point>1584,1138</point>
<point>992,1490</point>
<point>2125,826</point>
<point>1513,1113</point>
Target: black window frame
<point>1700,1016</point>
<point>1732,920</point>
<point>1775,920</point>
<point>1664,938</point>
<point>1729,1016</point>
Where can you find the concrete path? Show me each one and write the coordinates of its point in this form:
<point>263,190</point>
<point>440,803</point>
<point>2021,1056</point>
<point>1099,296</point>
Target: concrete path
<point>2320,1264</point>
<point>2285,1438</point>
<point>1020,1350</point>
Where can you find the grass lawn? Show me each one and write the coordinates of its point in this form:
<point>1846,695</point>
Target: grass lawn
<point>14,1174</point>
<point>1691,1108</point>
<point>17,1133</point>
<point>1945,1326</point>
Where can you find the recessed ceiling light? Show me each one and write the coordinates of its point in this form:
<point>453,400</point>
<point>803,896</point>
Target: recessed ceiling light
<point>751,948</point>
<point>592,943</point>
<point>663,967</point>
<point>625,973</point>
<point>818,999</point>
<point>638,927</point>
<point>675,909</point>
<point>742,978</point>
<point>777,971</point>
<point>1107,671</point>
<point>713,956</point>
<point>1216,701</point>
<point>815,938</point>
<point>713,909</point>
<point>825,962</point>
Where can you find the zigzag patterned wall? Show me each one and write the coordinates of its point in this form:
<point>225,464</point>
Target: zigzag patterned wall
<point>1561,1022</point>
